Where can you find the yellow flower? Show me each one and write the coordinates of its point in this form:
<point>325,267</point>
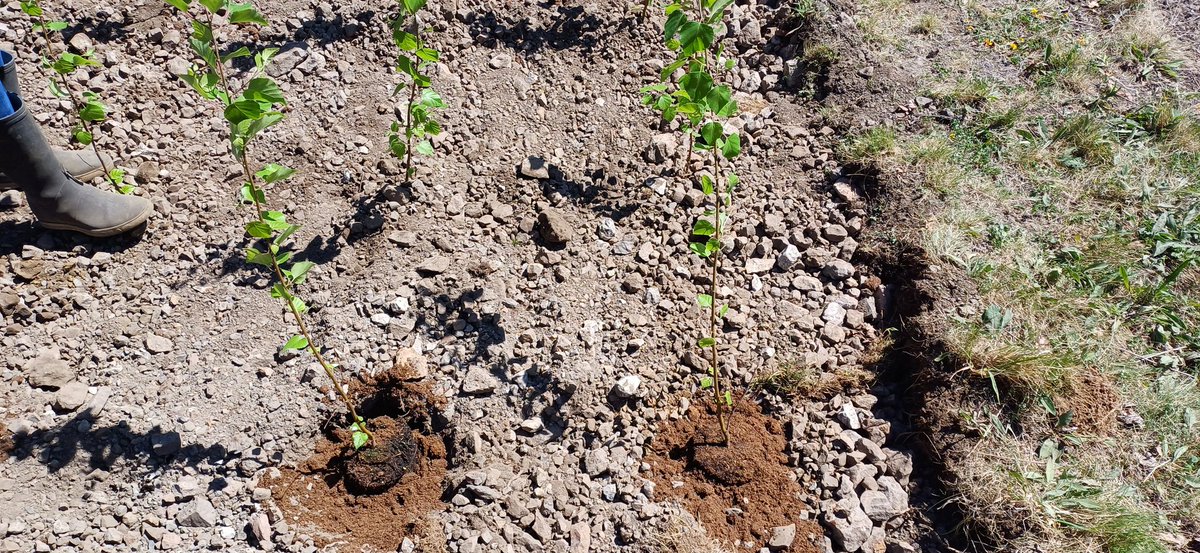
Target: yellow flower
<point>1034,11</point>
<point>988,42</point>
<point>1012,46</point>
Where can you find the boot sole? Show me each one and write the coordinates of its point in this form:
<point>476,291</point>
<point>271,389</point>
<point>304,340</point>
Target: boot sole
<point>103,232</point>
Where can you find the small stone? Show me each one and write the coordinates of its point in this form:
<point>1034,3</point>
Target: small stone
<point>48,371</point>
<point>788,258</point>
<point>627,386</point>
<point>260,526</point>
<point>581,538</point>
<point>200,513</point>
<point>555,228</point>
<point>838,270</point>
<point>11,198</point>
<point>434,266</point>
<point>71,397</point>
<point>848,417</point>
<point>834,314</point>
<point>851,532</point>
<point>535,168</point>
<point>171,540</point>
<point>782,537</point>
<point>532,425</point>
<point>756,265</point>
<point>381,319</point>
<point>158,344</point>
<point>81,43</point>
<point>479,381</point>
<point>607,231</point>
<point>500,61</point>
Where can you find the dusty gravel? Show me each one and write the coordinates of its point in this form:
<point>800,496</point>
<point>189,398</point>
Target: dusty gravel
<point>140,376</point>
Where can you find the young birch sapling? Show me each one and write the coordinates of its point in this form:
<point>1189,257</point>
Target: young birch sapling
<point>414,59</point>
<point>89,110</point>
<point>248,112</point>
<point>698,105</point>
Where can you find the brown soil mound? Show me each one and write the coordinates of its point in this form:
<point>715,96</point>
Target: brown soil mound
<point>378,496</point>
<point>740,492</point>
<point>1092,402</point>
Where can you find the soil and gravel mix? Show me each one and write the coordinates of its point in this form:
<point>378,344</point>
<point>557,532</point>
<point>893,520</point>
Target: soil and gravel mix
<point>535,275</point>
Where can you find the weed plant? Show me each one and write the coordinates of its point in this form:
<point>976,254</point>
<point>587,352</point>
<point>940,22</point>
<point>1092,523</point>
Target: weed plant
<point>89,110</point>
<point>248,112</point>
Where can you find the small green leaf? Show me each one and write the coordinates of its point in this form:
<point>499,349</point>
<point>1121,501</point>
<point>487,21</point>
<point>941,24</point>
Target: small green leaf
<point>706,184</point>
<point>255,257</point>
<point>213,6</point>
<point>706,382</point>
<point>241,14</point>
<point>274,172</point>
<point>704,300</point>
<point>82,136</point>
<point>56,25</point>
<point>724,309</point>
<point>299,271</point>
<point>703,227</point>
<point>296,342</point>
<point>360,439</point>
<point>424,148</point>
<point>242,52</point>
<point>181,5</point>
<point>728,398</point>
<point>259,229</point>
<point>732,147</point>
<point>706,342</point>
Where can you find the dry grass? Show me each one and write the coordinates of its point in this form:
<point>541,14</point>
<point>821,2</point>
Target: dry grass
<point>683,534</point>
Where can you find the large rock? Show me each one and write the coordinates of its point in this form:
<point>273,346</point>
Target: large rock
<point>478,382</point>
<point>782,537</point>
<point>48,371</point>
<point>838,270</point>
<point>555,228</point>
<point>851,531</point>
<point>70,397</point>
<point>889,501</point>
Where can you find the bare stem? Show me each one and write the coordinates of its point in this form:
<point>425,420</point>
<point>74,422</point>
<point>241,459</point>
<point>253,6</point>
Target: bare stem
<point>66,86</point>
<point>412,99</point>
<point>260,212</point>
<point>713,313</point>
<point>645,10</point>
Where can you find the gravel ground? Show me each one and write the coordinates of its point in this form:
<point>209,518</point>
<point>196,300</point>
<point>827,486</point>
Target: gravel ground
<point>140,377</point>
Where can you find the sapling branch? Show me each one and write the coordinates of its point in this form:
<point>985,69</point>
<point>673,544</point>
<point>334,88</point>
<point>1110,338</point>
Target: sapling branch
<point>61,65</point>
<point>248,112</point>
<point>414,56</point>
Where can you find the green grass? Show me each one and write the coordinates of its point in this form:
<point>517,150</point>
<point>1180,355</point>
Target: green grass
<point>1077,213</point>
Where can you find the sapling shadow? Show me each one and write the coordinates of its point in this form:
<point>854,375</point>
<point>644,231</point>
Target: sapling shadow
<point>699,104</point>
<point>248,112</point>
<point>89,110</point>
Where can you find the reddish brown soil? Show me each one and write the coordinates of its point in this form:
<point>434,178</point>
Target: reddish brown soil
<point>751,474</point>
<point>7,445</point>
<point>314,496</point>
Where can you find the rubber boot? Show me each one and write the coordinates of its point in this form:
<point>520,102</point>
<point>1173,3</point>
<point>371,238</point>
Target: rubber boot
<point>59,201</point>
<point>84,165</point>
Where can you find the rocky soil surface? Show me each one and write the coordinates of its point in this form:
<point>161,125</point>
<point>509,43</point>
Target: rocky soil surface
<point>539,265</point>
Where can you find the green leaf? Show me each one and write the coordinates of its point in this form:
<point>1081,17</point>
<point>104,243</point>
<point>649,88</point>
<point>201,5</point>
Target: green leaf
<point>710,134</point>
<point>56,25</point>
<point>264,57</point>
<point>360,439</point>
<point>213,6</point>
<point>274,172</point>
<point>728,398</point>
<point>413,6</point>
<point>675,20</point>
<point>242,14</point>
<point>698,249</point>
<point>706,382</point>
<point>428,54</point>
<point>724,309</point>
<point>181,5</point>
<point>424,148</point>
<point>299,271</point>
<point>697,85</point>
<point>252,194</point>
<point>55,90</point>
<point>703,227</point>
<point>256,257</point>
<point>704,300</point>
<point>116,176</point>
<point>695,37</point>
<point>259,229</point>
<point>242,52</point>
<point>93,111</point>
<point>706,342</point>
<point>296,342</point>
<point>82,136</point>
<point>732,147</point>
<point>405,40</point>
<point>706,184</point>
<point>263,89</point>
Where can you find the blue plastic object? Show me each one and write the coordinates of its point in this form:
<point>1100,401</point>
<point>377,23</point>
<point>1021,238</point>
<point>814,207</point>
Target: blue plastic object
<point>6,105</point>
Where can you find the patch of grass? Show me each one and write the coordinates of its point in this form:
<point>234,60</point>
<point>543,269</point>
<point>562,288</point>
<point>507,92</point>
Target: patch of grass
<point>869,148</point>
<point>1145,45</point>
<point>927,24</point>
<point>1084,140</point>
